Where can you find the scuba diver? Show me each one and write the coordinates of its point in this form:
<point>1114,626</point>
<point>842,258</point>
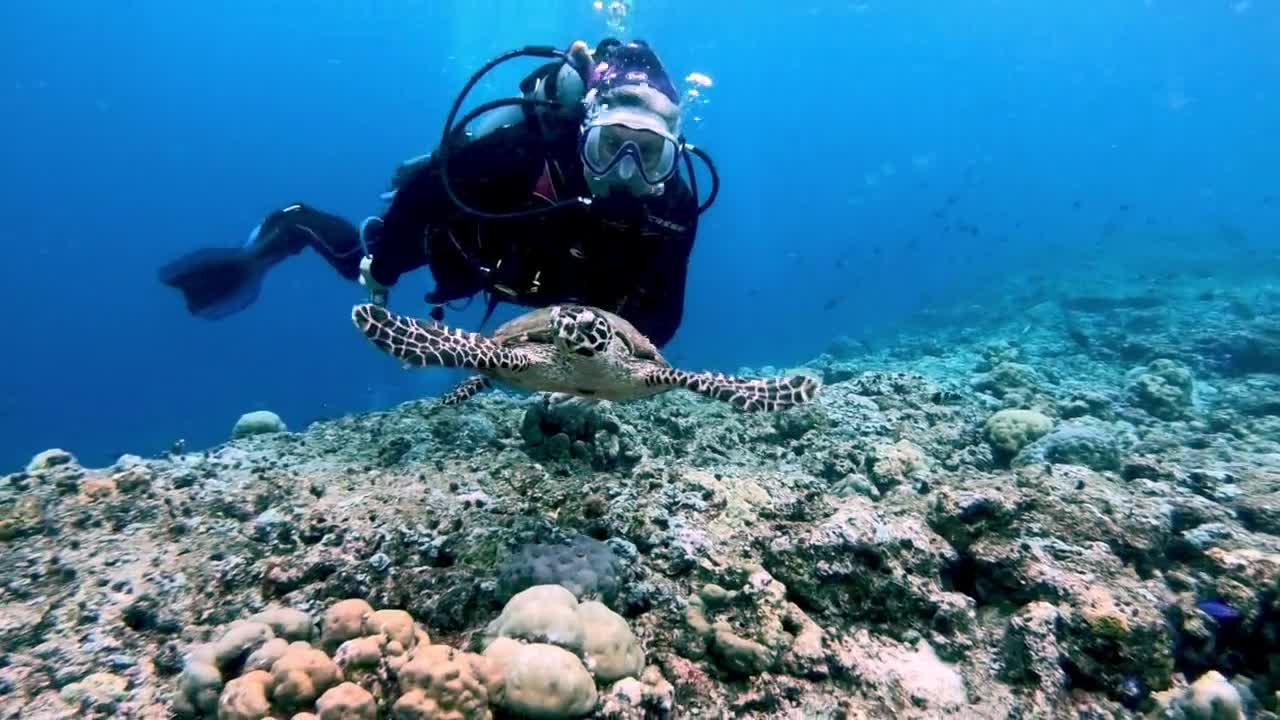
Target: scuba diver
<point>570,193</point>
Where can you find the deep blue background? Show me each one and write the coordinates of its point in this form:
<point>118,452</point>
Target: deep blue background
<point>136,130</point>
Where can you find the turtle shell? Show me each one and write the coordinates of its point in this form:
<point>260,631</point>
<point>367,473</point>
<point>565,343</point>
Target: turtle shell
<point>535,327</point>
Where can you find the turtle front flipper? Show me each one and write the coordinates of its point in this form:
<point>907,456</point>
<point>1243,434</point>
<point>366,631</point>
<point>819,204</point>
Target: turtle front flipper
<point>466,390</point>
<point>580,330</point>
<point>422,344</point>
<point>749,395</point>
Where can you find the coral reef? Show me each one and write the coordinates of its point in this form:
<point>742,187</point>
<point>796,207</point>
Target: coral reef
<point>1028,507</point>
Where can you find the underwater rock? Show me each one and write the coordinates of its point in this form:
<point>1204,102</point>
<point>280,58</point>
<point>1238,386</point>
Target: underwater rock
<point>649,697</point>
<point>1163,390</point>
<point>259,422</point>
<point>752,628</point>
<point>1210,697</point>
<point>859,564</point>
<point>1073,443</point>
<point>22,517</point>
<point>1086,402</point>
<point>466,430</point>
<point>905,680</point>
<point>896,464</point>
<point>996,354</point>
<point>1031,652</point>
<point>1007,379</point>
<point>1241,353</point>
<point>1101,303</point>
<point>98,694</point>
<point>50,459</point>
<point>557,429</point>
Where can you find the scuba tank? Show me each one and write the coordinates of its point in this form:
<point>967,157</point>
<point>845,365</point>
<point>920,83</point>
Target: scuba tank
<point>562,82</point>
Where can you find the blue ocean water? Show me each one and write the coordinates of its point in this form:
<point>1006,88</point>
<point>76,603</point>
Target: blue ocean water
<point>1050,133</point>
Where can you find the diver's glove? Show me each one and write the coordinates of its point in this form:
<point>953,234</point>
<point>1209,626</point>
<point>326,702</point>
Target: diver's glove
<point>377,291</point>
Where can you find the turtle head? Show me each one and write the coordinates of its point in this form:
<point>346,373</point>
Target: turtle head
<point>580,330</point>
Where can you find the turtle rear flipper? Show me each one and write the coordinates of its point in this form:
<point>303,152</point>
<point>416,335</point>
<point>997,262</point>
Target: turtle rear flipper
<point>422,344</point>
<point>749,395</point>
<point>466,390</point>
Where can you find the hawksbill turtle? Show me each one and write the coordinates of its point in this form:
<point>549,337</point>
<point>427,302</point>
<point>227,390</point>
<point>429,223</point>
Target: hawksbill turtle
<point>576,350</point>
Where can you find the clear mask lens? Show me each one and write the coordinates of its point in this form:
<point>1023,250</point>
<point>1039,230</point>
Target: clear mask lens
<point>628,151</point>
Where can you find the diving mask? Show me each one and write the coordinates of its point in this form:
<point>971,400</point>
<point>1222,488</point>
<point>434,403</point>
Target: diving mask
<point>628,147</point>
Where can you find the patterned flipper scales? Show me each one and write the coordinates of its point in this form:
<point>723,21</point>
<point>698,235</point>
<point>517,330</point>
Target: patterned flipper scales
<point>423,344</point>
<point>750,395</point>
<point>466,390</point>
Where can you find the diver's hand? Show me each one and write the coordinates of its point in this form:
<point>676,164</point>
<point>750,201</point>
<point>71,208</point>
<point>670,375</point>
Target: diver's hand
<point>580,55</point>
<point>377,291</point>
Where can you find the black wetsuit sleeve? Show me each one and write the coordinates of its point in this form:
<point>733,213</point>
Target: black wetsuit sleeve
<point>419,201</point>
<point>488,173</point>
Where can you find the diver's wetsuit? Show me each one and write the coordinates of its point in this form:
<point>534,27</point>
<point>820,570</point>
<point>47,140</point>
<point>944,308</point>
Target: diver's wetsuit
<point>623,255</point>
<point>619,253</point>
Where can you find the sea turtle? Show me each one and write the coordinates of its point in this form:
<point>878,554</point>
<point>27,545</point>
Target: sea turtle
<point>572,349</point>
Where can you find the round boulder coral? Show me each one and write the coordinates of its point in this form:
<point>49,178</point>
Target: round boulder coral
<point>1074,444</point>
<point>347,701</point>
<point>1009,431</point>
<point>245,698</point>
<point>267,654</point>
<point>394,625</point>
<point>342,622</point>
<point>543,613</point>
<point>260,422</point>
<point>199,686</point>
<point>611,649</point>
<point>440,682</point>
<point>241,638</point>
<point>286,623</point>
<point>301,675</point>
<point>542,681</point>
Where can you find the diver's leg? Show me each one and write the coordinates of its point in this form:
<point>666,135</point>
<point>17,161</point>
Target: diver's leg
<point>288,230</point>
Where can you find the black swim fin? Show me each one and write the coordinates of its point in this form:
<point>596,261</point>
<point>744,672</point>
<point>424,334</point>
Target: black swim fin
<point>215,282</point>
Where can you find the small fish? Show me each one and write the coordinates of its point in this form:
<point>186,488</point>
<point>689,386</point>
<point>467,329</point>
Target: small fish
<point>1132,692</point>
<point>1219,610</point>
<point>1075,205</point>
<point>832,303</point>
<point>1078,337</point>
